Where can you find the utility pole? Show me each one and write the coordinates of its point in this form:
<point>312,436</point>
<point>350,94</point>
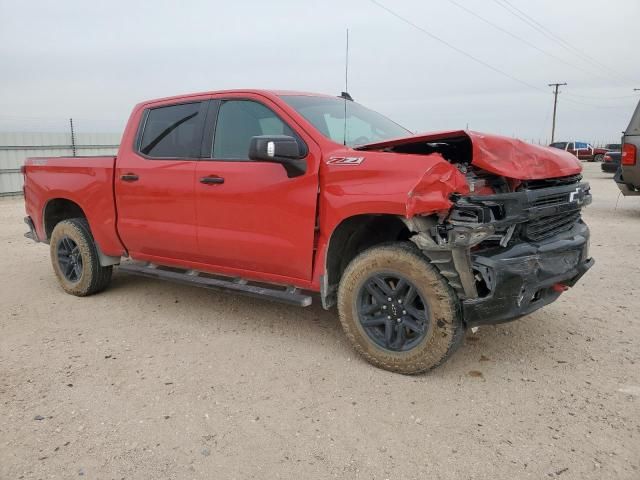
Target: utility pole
<point>555,104</point>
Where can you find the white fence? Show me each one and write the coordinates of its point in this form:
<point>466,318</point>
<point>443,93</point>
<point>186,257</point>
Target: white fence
<point>15,147</point>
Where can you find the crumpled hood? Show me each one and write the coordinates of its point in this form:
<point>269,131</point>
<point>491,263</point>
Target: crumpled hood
<point>504,156</point>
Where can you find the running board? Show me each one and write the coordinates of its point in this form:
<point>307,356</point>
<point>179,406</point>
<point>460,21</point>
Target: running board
<point>290,295</point>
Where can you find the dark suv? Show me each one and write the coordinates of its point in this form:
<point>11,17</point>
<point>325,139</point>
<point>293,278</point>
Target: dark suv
<point>628,176</point>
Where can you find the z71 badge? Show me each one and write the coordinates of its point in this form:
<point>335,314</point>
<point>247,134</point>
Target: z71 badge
<point>345,160</point>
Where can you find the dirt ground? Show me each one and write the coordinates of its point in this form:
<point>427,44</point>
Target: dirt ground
<point>152,380</point>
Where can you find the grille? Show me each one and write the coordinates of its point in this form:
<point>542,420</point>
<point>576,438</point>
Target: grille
<point>546,227</point>
<point>551,200</point>
<point>550,182</point>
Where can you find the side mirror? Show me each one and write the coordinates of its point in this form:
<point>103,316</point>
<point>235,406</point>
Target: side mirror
<point>282,149</point>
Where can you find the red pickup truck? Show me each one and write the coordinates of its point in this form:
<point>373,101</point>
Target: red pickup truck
<point>582,150</point>
<point>290,195</point>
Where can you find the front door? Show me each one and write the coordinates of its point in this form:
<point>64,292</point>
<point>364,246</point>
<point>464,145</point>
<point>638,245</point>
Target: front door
<point>154,183</point>
<point>253,219</point>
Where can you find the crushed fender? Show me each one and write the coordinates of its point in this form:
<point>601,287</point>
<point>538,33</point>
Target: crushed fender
<point>431,193</point>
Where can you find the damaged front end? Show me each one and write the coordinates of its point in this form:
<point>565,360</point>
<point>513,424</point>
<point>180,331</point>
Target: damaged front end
<point>507,254</point>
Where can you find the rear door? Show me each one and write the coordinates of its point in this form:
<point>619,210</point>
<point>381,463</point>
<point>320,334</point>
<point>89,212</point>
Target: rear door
<point>571,148</point>
<point>252,217</point>
<point>154,182</point>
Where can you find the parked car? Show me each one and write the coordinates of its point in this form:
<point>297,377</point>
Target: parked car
<point>611,162</point>
<point>613,147</point>
<point>582,150</point>
<point>628,176</point>
<point>286,195</point>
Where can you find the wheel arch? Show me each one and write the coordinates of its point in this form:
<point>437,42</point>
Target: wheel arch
<point>59,209</point>
<point>350,237</point>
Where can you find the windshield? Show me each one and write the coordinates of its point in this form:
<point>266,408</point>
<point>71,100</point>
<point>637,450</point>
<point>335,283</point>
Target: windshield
<point>327,115</point>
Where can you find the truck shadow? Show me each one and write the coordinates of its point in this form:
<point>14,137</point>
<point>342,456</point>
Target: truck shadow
<point>191,307</point>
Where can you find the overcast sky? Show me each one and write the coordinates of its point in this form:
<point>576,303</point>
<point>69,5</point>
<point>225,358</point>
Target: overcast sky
<point>94,60</point>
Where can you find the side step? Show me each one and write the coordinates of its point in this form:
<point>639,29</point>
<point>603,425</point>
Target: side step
<point>290,295</point>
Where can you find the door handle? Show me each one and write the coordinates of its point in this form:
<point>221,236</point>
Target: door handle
<point>129,177</point>
<point>212,180</point>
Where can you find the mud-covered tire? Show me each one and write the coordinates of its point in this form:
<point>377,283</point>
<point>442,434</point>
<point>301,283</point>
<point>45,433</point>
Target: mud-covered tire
<point>446,329</point>
<point>92,277</point>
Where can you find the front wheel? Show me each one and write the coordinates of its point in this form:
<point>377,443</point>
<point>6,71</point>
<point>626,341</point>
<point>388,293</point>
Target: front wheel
<point>75,260</point>
<point>398,311</point>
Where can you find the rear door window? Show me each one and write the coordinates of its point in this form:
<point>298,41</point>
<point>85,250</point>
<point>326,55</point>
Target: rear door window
<point>174,131</point>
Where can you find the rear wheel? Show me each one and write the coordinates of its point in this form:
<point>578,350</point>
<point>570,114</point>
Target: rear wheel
<point>75,260</point>
<point>398,311</point>
<point>598,158</point>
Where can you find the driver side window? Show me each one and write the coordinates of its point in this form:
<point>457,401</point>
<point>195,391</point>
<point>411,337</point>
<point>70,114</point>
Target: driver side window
<point>238,121</point>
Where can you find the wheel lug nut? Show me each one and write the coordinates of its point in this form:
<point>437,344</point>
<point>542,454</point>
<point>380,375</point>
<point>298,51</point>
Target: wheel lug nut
<point>400,301</point>
<point>389,299</point>
<point>389,317</point>
<point>404,312</point>
<point>384,307</point>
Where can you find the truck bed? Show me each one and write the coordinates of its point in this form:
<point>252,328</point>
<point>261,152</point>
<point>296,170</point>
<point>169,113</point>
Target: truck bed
<point>85,181</point>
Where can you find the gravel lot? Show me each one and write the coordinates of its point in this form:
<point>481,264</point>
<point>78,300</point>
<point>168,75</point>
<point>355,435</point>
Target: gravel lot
<point>151,380</point>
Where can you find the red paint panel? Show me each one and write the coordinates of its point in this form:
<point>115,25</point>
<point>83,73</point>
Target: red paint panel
<point>258,220</point>
<point>84,181</point>
<point>156,214</point>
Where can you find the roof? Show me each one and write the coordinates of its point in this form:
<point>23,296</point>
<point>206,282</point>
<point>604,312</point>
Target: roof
<point>256,91</point>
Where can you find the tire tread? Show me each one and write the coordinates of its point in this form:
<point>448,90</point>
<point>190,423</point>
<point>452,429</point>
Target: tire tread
<point>99,276</point>
<point>441,291</point>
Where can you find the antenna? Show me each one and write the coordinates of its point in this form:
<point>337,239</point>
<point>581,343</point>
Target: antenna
<point>346,65</point>
<point>345,94</point>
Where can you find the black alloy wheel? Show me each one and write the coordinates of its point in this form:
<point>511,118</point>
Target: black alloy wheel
<point>392,312</point>
<point>69,259</point>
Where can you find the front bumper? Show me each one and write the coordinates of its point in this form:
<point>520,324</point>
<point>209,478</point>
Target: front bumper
<point>527,276</point>
<point>508,254</point>
<point>627,188</point>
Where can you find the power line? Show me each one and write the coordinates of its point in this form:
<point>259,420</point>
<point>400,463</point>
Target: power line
<point>598,97</point>
<point>453,47</point>
<point>559,39</point>
<point>593,104</point>
<point>515,11</point>
<point>475,59</point>
<point>526,42</point>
